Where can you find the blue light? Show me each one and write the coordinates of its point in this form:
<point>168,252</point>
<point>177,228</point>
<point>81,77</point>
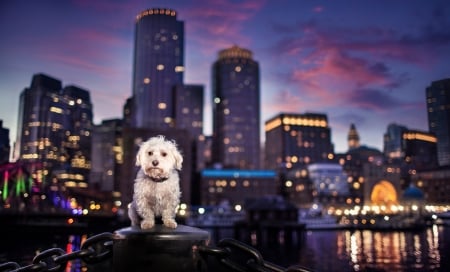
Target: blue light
<point>236,173</point>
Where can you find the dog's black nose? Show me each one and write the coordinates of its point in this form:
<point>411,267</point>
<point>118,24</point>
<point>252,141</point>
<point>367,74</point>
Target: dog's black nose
<point>155,162</point>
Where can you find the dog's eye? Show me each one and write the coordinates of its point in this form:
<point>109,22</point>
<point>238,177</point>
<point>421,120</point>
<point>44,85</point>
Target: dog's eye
<point>150,153</point>
<point>163,154</point>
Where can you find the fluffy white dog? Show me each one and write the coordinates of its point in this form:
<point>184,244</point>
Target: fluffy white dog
<point>156,188</point>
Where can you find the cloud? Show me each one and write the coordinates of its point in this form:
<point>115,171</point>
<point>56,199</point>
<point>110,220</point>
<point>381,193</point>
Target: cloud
<point>217,24</point>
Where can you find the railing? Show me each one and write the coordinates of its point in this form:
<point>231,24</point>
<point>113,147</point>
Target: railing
<point>158,249</point>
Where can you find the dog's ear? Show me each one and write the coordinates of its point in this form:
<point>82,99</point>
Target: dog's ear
<point>178,160</point>
<point>138,160</point>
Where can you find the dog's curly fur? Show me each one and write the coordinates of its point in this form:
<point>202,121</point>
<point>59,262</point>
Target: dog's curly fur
<point>156,187</point>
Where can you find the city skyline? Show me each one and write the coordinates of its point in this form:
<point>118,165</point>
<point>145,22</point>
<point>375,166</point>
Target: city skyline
<point>325,58</point>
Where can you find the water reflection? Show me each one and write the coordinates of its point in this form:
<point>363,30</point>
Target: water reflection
<point>74,244</point>
<point>390,251</point>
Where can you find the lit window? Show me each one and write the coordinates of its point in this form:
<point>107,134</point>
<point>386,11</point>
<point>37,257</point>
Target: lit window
<point>237,69</point>
<point>146,80</point>
<point>226,111</point>
<point>175,37</point>
<point>79,101</point>
<point>162,106</point>
<point>71,102</point>
<point>160,67</point>
<point>179,69</point>
<point>217,100</point>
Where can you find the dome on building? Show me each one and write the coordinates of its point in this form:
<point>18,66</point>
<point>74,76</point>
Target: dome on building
<point>413,193</point>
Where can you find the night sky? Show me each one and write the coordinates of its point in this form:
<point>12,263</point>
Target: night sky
<point>361,62</point>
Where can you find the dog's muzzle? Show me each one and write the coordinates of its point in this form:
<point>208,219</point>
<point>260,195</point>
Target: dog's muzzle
<point>156,174</point>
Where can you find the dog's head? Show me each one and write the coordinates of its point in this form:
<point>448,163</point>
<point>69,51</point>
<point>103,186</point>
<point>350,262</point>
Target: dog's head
<point>158,157</point>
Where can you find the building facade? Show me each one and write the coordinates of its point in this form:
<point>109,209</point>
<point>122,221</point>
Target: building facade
<point>158,66</point>
<point>236,186</point>
<point>300,139</point>
<point>4,144</point>
<point>55,126</point>
<point>188,108</point>
<point>392,141</point>
<point>107,155</point>
<point>236,109</point>
<point>438,106</point>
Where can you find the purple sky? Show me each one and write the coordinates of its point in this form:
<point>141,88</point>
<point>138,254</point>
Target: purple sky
<point>362,62</point>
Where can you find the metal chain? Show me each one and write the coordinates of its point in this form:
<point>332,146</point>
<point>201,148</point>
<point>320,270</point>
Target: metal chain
<point>230,253</point>
<point>240,257</point>
<point>94,250</point>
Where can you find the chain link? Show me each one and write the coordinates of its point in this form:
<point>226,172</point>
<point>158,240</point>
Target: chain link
<point>94,250</point>
<point>240,257</point>
<point>230,253</point>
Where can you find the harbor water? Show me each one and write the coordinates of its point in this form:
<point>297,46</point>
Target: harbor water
<point>318,250</point>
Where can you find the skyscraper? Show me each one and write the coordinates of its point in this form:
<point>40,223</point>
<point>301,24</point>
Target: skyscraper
<point>54,130</point>
<point>157,67</point>
<point>236,109</point>
<point>438,105</point>
<point>188,108</point>
<point>293,140</point>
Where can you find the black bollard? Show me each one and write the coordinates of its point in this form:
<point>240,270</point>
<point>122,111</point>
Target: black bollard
<point>159,249</point>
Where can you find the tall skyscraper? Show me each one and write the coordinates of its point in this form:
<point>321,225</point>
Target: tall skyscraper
<point>55,130</point>
<point>188,107</point>
<point>438,105</point>
<point>157,67</point>
<point>293,140</point>
<point>236,109</point>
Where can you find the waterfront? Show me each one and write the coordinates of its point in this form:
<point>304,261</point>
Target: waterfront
<point>327,250</point>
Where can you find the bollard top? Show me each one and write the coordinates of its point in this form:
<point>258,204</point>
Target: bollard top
<point>161,232</point>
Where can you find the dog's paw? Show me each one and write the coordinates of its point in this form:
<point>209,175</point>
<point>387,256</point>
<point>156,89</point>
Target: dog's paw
<point>170,223</point>
<point>147,224</point>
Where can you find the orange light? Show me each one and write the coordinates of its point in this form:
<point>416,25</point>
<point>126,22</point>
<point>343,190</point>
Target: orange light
<point>70,221</point>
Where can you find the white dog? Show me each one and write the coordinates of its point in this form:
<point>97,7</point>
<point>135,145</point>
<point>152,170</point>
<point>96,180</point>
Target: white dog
<point>156,188</point>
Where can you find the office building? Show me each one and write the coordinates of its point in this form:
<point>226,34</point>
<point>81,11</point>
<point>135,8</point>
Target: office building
<point>188,108</point>
<point>329,183</point>
<point>300,139</point>
<point>393,142</point>
<point>420,149</point>
<point>4,144</point>
<point>236,109</point>
<point>438,106</point>
<point>235,186</point>
<point>54,131</point>
<point>107,155</point>
<point>158,66</point>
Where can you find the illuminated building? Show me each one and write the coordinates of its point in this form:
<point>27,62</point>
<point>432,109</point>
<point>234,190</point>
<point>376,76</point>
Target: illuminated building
<point>393,141</point>
<point>353,137</point>
<point>188,101</point>
<point>54,129</point>
<point>420,149</point>
<point>329,183</point>
<point>293,140</point>
<point>107,155</point>
<point>4,144</point>
<point>157,67</point>
<point>236,109</point>
<point>438,105</point>
<point>235,185</point>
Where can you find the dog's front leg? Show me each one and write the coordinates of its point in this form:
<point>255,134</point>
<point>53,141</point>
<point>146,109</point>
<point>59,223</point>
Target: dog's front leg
<point>147,214</point>
<point>169,213</point>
